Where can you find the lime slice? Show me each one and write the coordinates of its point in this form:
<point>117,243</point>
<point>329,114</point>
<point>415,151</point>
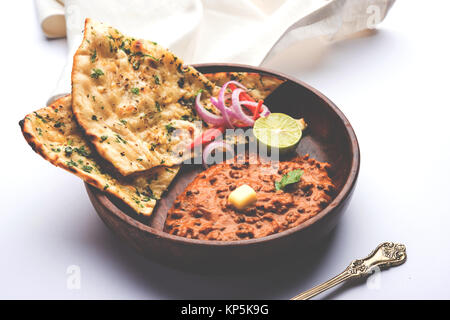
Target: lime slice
<point>278,130</point>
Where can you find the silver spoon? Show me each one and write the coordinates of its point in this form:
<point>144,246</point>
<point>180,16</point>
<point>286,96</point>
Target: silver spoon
<point>387,254</point>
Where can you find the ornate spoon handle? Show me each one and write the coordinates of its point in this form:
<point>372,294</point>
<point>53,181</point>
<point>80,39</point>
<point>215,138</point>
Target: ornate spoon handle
<point>386,255</point>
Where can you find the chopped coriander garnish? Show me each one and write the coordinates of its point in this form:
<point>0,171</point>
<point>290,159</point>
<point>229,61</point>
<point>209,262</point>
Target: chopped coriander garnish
<point>289,178</point>
<point>68,151</point>
<point>72,163</point>
<point>135,90</point>
<point>187,118</point>
<point>40,117</point>
<point>103,138</point>
<point>158,107</point>
<point>152,57</point>
<point>58,124</point>
<point>123,121</point>
<point>87,169</point>
<point>156,79</point>
<point>82,151</point>
<point>209,109</point>
<point>94,56</point>
<point>137,201</point>
<point>122,46</point>
<point>170,128</point>
<point>96,73</point>
<point>120,139</point>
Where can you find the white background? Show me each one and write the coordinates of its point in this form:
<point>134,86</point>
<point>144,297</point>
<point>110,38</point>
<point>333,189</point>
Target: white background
<point>393,86</point>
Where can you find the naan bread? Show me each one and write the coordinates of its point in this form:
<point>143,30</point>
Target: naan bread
<point>54,134</point>
<point>259,85</point>
<point>134,94</point>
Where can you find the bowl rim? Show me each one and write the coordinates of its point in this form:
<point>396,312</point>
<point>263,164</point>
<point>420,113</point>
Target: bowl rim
<point>341,196</point>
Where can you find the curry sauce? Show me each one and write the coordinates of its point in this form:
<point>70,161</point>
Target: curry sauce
<point>202,211</point>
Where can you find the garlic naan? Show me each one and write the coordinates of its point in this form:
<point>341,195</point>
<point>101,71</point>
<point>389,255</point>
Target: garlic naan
<point>54,134</point>
<point>133,94</point>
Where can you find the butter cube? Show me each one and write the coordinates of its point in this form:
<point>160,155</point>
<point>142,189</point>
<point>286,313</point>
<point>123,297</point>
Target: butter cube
<point>242,197</point>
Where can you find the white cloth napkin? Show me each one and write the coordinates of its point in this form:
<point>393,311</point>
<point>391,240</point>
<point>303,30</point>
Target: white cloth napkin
<point>51,17</point>
<point>240,31</point>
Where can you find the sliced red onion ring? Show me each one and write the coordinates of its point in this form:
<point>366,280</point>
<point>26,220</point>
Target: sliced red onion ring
<point>214,146</point>
<point>233,115</point>
<point>237,108</point>
<point>206,115</point>
<point>214,101</point>
<point>221,102</point>
<point>227,114</point>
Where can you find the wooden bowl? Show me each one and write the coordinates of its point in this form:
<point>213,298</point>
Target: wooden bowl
<point>329,138</point>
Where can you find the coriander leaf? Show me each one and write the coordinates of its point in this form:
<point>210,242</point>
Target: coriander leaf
<point>152,57</point>
<point>187,118</point>
<point>156,79</point>
<point>40,117</point>
<point>82,151</point>
<point>71,163</point>
<point>289,178</point>
<point>96,73</point>
<point>170,128</point>
<point>120,139</point>
<point>94,56</point>
<point>87,169</point>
